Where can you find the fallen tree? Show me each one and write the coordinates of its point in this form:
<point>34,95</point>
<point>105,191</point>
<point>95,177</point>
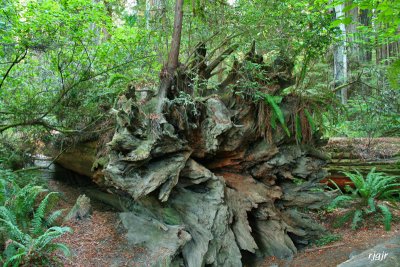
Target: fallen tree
<point>204,173</point>
<point>214,176</point>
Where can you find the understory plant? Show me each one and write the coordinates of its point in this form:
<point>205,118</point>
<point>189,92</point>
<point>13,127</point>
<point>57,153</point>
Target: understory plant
<point>27,224</point>
<point>362,199</point>
<point>327,239</point>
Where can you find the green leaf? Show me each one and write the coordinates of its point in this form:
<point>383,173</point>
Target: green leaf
<point>387,216</point>
<point>336,23</point>
<point>278,112</point>
<point>310,120</point>
<point>299,135</point>
<point>115,78</point>
<point>273,120</point>
<point>60,246</point>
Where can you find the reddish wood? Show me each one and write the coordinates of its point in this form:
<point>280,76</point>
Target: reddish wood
<point>340,180</point>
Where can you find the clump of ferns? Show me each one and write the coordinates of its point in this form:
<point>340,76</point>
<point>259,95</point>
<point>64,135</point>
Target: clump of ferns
<point>374,193</point>
<point>27,225</point>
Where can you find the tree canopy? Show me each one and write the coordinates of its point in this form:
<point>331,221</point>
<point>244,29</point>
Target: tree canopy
<point>63,63</point>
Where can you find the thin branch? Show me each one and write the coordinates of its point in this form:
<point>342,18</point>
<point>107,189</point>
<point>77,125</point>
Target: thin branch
<point>220,58</point>
<point>17,60</point>
<point>44,167</point>
<point>324,247</point>
<point>203,42</point>
<point>85,79</point>
<point>39,120</point>
<point>336,89</point>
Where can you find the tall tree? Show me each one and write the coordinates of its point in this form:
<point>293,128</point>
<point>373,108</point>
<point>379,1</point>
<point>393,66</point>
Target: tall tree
<point>167,73</point>
<point>340,56</point>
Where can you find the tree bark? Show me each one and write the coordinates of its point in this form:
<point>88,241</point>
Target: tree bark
<point>167,74</point>
<point>340,57</point>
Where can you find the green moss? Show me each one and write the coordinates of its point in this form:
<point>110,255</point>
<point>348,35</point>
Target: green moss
<point>100,162</point>
<point>298,181</point>
<point>171,217</point>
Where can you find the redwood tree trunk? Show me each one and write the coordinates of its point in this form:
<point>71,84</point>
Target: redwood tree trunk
<point>340,57</point>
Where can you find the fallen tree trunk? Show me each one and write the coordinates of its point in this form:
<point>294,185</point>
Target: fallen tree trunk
<point>361,154</point>
<point>214,177</point>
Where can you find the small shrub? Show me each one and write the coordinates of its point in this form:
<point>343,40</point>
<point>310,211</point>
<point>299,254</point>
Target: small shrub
<point>363,199</point>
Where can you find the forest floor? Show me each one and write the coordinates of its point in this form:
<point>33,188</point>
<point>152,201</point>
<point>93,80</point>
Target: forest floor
<point>351,242</point>
<point>99,240</point>
<point>96,241</point>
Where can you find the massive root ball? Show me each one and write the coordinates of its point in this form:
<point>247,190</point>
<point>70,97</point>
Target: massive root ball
<point>205,194</point>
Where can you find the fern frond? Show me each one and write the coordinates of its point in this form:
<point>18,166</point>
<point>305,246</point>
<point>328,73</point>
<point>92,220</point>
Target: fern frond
<point>15,259</point>
<point>339,200</point>
<point>273,120</point>
<point>357,218</point>
<point>13,231</point>
<point>278,112</point>
<point>24,200</point>
<point>37,221</point>
<point>387,216</point>
<point>310,120</point>
<point>116,77</point>
<point>7,215</point>
<point>299,135</point>
<point>51,234</point>
<point>371,205</point>
<point>53,217</point>
<point>343,219</point>
<point>59,246</point>
<point>390,194</point>
<point>357,179</point>
<point>336,186</point>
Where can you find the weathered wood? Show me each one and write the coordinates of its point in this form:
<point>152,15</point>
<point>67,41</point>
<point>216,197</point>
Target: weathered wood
<point>82,209</point>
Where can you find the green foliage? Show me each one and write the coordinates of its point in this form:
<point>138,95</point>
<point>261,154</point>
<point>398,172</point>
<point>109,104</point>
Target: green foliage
<point>27,223</point>
<point>372,116</point>
<point>116,77</point>
<point>385,20</point>
<point>387,215</point>
<point>362,199</point>
<point>393,74</point>
<point>14,150</point>
<point>278,114</point>
<point>327,239</point>
<point>56,60</point>
<point>374,104</point>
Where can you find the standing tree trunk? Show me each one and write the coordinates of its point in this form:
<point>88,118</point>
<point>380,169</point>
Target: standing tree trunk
<point>352,35</point>
<point>153,8</point>
<point>365,20</point>
<point>340,57</point>
<point>167,74</point>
